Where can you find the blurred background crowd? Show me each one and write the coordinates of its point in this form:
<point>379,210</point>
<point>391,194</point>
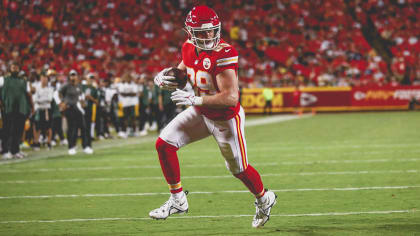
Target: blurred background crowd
<point>52,112</point>
<point>280,42</point>
<point>113,49</point>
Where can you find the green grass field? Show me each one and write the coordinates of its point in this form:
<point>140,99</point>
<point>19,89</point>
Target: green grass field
<point>334,174</point>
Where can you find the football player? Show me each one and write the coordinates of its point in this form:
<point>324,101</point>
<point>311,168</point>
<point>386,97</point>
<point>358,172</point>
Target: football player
<point>212,68</point>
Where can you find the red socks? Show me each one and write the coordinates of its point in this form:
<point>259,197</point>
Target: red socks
<point>252,181</point>
<point>169,164</point>
<point>170,168</point>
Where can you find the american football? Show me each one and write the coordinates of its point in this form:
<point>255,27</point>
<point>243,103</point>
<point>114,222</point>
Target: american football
<point>180,76</point>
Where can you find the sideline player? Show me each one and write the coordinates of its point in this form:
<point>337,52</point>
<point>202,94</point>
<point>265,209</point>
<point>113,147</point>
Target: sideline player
<point>212,68</point>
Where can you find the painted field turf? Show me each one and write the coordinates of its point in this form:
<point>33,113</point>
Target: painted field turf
<point>334,174</point>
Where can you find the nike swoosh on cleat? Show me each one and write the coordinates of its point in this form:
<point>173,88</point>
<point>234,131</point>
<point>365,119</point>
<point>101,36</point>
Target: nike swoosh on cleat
<point>227,50</point>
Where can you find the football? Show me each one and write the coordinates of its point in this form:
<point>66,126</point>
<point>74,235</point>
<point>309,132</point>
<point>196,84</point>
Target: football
<point>180,76</point>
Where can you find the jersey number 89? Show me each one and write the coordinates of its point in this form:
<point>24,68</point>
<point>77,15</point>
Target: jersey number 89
<point>201,80</point>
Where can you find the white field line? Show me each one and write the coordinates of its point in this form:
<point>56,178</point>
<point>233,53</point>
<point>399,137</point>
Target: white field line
<point>362,172</point>
<point>131,141</point>
<point>98,146</point>
<point>260,147</point>
<point>100,168</point>
<point>210,216</point>
<point>286,163</point>
<point>280,146</point>
<point>202,192</point>
<point>283,155</point>
<point>273,119</point>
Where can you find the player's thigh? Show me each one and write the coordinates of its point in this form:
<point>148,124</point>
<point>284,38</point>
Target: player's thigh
<point>230,137</point>
<point>187,127</point>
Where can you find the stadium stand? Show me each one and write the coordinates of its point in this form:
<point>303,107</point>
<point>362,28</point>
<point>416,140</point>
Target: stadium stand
<point>280,43</point>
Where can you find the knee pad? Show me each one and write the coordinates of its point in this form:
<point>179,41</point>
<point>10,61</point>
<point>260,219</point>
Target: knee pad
<point>230,160</point>
<point>163,146</point>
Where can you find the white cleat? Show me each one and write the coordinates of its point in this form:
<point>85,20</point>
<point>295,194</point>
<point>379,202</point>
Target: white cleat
<point>64,142</point>
<point>262,214</point>
<point>153,127</point>
<point>122,134</point>
<point>88,150</point>
<point>172,206</point>
<point>7,156</point>
<point>20,155</point>
<point>143,132</point>
<point>72,151</point>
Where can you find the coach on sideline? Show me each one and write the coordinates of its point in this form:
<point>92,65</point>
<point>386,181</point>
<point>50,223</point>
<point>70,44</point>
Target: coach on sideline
<point>18,105</point>
<point>72,98</point>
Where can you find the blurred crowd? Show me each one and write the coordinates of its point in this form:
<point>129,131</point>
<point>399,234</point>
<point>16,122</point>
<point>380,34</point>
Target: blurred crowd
<point>106,52</point>
<point>280,42</point>
<point>53,110</point>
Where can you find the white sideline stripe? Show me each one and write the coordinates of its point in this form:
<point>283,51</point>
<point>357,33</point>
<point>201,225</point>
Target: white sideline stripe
<point>57,153</point>
<point>297,155</point>
<point>318,147</point>
<point>131,141</point>
<point>214,216</point>
<point>347,161</point>
<point>207,177</point>
<point>273,119</point>
<point>112,168</point>
<point>260,147</point>
<point>204,192</point>
<point>208,166</point>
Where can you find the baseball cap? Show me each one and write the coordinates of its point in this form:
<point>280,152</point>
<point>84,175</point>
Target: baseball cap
<point>51,72</point>
<point>43,73</point>
<point>90,75</point>
<point>73,72</point>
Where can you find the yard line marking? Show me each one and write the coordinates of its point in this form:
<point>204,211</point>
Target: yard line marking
<point>33,156</point>
<point>257,148</point>
<point>347,161</point>
<point>100,168</point>
<point>307,154</point>
<point>131,141</point>
<point>88,195</point>
<point>361,172</point>
<point>273,119</point>
<point>21,170</point>
<point>209,216</point>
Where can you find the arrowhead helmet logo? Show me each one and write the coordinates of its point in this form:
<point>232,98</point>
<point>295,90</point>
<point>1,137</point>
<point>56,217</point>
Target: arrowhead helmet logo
<point>190,17</point>
<point>206,63</point>
<point>359,95</point>
<point>307,99</point>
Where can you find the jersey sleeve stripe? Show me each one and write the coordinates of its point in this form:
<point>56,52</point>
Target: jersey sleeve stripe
<point>227,63</point>
<point>226,59</point>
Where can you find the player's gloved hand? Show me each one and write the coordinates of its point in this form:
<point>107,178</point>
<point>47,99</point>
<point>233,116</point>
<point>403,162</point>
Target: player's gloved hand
<point>180,97</point>
<point>165,82</point>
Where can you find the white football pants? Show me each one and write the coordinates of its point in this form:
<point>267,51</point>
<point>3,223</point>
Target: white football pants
<point>190,126</point>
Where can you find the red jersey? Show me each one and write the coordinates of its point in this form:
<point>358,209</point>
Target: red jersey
<point>202,69</point>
